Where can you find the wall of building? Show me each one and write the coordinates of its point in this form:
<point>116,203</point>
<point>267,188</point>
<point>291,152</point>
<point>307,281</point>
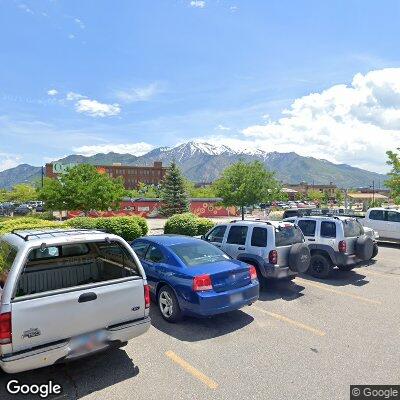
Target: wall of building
<point>131,175</point>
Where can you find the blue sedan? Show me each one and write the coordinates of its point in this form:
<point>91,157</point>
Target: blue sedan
<point>189,276</point>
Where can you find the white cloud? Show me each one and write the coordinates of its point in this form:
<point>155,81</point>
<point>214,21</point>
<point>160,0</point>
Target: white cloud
<point>94,108</point>
<point>352,124</point>
<point>71,96</point>
<point>71,36</point>
<point>137,149</point>
<point>79,23</point>
<point>198,3</point>
<point>8,161</point>
<point>144,93</point>
<point>233,8</point>
<point>223,128</point>
<point>25,8</point>
<point>52,92</point>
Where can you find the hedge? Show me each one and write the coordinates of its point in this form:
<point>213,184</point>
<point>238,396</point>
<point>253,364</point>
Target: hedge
<point>26,223</point>
<point>187,224</point>
<point>129,228</point>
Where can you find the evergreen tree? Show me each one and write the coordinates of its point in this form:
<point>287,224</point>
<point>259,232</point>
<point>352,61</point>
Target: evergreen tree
<point>173,192</point>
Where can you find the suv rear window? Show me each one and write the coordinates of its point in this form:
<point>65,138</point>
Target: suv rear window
<point>74,265</point>
<point>288,235</point>
<point>259,237</point>
<point>237,235</point>
<point>307,227</point>
<point>352,228</point>
<point>328,229</point>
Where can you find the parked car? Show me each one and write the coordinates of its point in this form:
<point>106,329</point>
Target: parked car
<point>188,276</point>
<point>384,220</point>
<point>68,294</point>
<point>276,249</point>
<point>336,241</point>
<point>23,209</point>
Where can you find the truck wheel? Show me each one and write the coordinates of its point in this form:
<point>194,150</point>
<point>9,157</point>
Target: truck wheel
<point>168,305</point>
<point>375,251</point>
<point>320,266</point>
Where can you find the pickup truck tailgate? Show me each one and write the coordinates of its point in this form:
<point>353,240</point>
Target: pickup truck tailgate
<point>45,318</point>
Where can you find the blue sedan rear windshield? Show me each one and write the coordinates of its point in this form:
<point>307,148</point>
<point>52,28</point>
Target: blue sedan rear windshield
<point>197,253</point>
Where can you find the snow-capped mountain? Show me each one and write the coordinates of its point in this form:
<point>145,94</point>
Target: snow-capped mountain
<point>204,162</point>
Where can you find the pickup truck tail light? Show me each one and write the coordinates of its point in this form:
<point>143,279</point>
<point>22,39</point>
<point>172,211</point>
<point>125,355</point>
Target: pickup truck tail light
<point>253,272</point>
<point>342,246</point>
<point>273,257</point>
<point>146,296</point>
<point>5,328</point>
<point>201,283</point>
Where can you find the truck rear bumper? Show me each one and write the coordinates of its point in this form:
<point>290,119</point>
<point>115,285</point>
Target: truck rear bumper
<point>61,351</point>
<point>275,272</point>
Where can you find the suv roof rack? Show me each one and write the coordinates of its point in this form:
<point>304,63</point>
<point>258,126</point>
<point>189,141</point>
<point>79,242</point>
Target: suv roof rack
<point>250,220</point>
<point>54,232</point>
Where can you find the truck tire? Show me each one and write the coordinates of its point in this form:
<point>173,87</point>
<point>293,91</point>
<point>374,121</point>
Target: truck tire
<point>320,266</point>
<point>168,305</point>
<point>364,248</point>
<point>299,257</point>
<point>375,251</point>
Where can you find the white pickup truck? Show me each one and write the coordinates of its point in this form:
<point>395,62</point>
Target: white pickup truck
<point>386,221</point>
<point>65,294</point>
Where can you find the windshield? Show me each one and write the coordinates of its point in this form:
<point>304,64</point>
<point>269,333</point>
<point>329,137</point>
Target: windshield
<point>197,253</point>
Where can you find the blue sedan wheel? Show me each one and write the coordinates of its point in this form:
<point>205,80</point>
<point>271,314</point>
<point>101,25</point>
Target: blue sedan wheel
<point>168,304</point>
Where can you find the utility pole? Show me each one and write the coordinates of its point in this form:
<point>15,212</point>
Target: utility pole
<point>42,177</point>
<point>373,192</point>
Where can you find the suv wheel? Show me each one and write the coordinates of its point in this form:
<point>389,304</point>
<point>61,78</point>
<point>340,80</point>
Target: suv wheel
<point>375,251</point>
<point>345,267</point>
<point>168,305</point>
<point>320,266</point>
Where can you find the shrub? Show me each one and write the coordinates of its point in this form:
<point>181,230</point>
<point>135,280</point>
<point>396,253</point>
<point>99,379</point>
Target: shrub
<point>187,224</point>
<point>26,223</point>
<point>204,225</point>
<point>127,227</point>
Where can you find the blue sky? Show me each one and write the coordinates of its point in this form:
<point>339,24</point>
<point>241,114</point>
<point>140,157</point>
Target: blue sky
<point>87,76</point>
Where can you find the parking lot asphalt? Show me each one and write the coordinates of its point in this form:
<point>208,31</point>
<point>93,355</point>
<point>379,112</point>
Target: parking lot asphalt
<point>304,339</point>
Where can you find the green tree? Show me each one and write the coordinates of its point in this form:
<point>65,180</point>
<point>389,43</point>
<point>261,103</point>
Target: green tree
<point>393,183</point>
<point>315,195</point>
<point>22,193</point>
<point>143,190</point>
<point>173,192</point>
<point>339,196</point>
<point>203,191</point>
<point>246,184</point>
<point>82,188</point>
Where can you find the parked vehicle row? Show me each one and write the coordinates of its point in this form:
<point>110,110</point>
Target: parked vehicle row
<point>10,208</point>
<point>65,294</point>
<point>386,221</point>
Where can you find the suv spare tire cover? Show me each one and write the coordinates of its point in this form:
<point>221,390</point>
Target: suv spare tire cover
<point>299,257</point>
<point>364,247</point>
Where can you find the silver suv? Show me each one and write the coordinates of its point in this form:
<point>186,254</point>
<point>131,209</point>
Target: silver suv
<point>276,249</point>
<point>336,241</point>
<point>65,294</point>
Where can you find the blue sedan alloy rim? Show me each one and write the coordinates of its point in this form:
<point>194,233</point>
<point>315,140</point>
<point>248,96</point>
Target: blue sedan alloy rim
<point>166,304</point>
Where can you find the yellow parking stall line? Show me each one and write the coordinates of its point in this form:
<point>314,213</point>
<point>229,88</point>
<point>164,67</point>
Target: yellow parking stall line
<point>338,292</point>
<point>297,324</point>
<point>192,370</point>
<point>384,275</point>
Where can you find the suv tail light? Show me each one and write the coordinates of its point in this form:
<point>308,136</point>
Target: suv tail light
<point>146,296</point>
<point>273,257</point>
<point>342,246</point>
<point>5,328</point>
<point>253,272</point>
<point>202,282</point>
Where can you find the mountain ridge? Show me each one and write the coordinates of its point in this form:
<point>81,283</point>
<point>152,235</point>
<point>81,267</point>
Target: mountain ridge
<point>203,162</point>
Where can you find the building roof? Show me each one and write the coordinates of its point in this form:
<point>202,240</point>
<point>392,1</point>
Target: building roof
<point>368,196</point>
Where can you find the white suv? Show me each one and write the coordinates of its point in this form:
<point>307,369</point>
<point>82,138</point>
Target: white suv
<point>336,241</point>
<point>276,249</point>
<point>65,294</point>
<point>384,220</point>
